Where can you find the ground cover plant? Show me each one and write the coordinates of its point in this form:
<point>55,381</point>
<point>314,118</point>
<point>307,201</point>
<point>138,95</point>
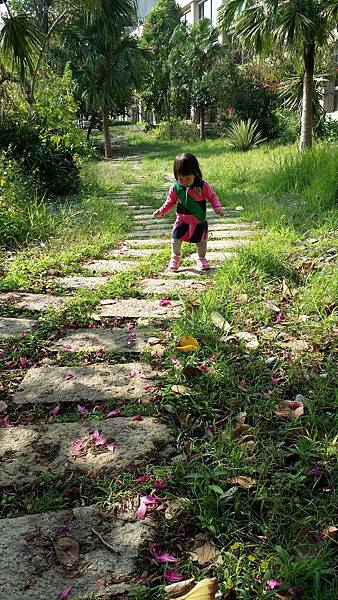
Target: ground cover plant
<point>250,496</point>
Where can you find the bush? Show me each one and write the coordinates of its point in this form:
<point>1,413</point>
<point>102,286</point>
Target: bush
<point>288,126</point>
<point>52,167</point>
<point>243,135</point>
<point>23,217</point>
<point>326,130</point>
<point>177,129</point>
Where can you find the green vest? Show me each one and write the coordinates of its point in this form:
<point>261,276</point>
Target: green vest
<point>189,203</point>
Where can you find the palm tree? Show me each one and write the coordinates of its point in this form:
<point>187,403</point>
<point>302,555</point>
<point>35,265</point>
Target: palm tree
<point>195,49</point>
<point>301,26</point>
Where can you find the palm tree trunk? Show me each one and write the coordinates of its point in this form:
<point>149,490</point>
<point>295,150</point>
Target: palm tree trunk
<point>107,142</point>
<point>202,135</point>
<point>307,104</point>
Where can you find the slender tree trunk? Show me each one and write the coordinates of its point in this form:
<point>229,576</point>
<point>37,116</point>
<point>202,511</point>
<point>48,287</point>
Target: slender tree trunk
<point>202,115</point>
<point>307,104</point>
<point>107,142</point>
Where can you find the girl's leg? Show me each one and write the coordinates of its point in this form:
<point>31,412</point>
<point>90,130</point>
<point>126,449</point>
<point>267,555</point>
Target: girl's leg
<point>202,262</point>
<point>175,255</point>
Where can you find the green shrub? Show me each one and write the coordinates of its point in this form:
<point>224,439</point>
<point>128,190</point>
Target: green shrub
<point>288,125</point>
<point>177,129</point>
<point>243,135</point>
<point>24,217</point>
<point>326,130</point>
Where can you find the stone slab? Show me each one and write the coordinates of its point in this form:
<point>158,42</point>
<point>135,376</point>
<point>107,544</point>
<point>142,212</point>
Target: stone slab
<point>93,383</point>
<point>212,256</point>
<point>133,252</point>
<point>29,567</point>
<point>231,234</point>
<point>110,266</point>
<point>26,452</point>
<point>35,302</point>
<point>109,340</point>
<point>164,286</point>
<point>213,227</point>
<point>186,272</point>
<point>222,233</point>
<point>224,244</point>
<point>140,243</point>
<point>135,308</point>
<point>77,282</point>
<point>10,328</point>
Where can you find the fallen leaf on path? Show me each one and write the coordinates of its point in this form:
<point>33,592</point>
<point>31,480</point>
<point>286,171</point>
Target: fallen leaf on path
<point>188,344</point>
<point>296,345</point>
<point>329,531</point>
<point>204,551</point>
<point>181,389</point>
<point>219,321</point>
<point>289,408</point>
<point>203,590</point>
<point>67,551</point>
<point>243,481</point>
<point>180,588</point>
<point>173,576</point>
<point>161,557</point>
<point>249,339</point>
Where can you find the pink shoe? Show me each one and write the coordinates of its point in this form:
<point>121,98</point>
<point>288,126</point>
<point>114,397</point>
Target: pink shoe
<point>174,263</point>
<point>202,264</point>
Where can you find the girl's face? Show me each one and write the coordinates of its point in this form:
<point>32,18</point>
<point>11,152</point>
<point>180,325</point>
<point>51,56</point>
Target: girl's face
<point>186,180</point>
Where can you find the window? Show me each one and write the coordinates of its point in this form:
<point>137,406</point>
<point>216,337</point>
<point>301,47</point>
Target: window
<point>201,10</point>
<point>187,18</point>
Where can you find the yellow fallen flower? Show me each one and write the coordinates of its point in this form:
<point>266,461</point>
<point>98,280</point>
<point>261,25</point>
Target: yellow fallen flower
<point>188,344</point>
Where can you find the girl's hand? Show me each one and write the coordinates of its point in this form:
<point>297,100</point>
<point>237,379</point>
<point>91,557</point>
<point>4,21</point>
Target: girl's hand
<point>219,212</point>
<point>157,214</point>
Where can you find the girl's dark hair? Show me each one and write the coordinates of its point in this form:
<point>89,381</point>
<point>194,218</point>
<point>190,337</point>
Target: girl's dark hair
<point>186,164</point>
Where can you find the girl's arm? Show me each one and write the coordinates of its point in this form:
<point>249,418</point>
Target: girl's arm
<point>213,199</point>
<point>168,204</point>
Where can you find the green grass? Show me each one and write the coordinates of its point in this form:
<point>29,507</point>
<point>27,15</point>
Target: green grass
<point>281,290</point>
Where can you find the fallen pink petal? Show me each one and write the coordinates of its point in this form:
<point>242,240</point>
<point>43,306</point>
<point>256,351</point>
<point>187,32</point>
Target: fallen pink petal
<point>175,360</point>
<point>24,362</point>
<point>161,557</point>
<point>55,410</point>
<point>65,593</point>
<point>68,347</point>
<point>208,431</point>
<point>137,418</point>
<point>100,440</point>
<point>82,409</point>
<point>295,591</point>
<point>148,388</point>
<point>142,479</point>
<point>69,376</point>
<point>131,325</point>
<point>111,447</point>
<point>6,422</point>
<point>165,302</point>
<point>114,413</point>
<point>279,318</point>
<point>315,471</point>
<point>273,583</point>
<point>159,484</point>
<point>78,445</point>
<point>172,576</point>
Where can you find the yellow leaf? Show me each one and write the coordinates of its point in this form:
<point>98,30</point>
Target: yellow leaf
<point>180,389</point>
<point>188,344</point>
<point>243,481</point>
<point>203,590</point>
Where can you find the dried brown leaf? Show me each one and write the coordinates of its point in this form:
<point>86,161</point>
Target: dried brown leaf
<point>289,408</point>
<point>243,481</point>
<point>204,551</point>
<point>203,590</point>
<point>67,551</point>
<point>181,587</point>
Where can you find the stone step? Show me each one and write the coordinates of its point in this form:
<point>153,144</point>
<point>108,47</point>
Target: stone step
<point>182,286</point>
<point>77,282</point>
<point>212,257</point>
<point>10,328</point>
<point>35,302</point>
<point>142,211</point>
<point>31,570</point>
<point>110,266</point>
<point>140,243</point>
<point>147,217</point>
<point>186,272</point>
<point>135,308</point>
<point>223,244</point>
<point>165,227</point>
<point>93,383</point>
<point>213,233</point>
<point>110,340</point>
<point>28,451</point>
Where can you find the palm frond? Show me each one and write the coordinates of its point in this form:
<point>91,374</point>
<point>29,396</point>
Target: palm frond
<point>244,135</point>
<point>20,40</point>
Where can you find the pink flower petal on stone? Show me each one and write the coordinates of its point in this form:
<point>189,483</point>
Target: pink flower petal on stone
<point>173,576</point>
<point>142,511</point>
<point>165,302</point>
<point>6,422</point>
<point>100,440</point>
<point>78,445</point>
<point>68,347</point>
<point>137,418</point>
<point>273,583</point>
<point>111,447</point>
<point>82,409</point>
<point>114,413</point>
<point>148,388</point>
<point>55,409</point>
<point>69,376</point>
<point>131,325</point>
<point>144,502</point>
<point>161,557</point>
<point>24,362</point>
<point>65,592</point>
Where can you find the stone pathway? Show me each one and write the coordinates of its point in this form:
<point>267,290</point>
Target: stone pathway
<point>108,543</point>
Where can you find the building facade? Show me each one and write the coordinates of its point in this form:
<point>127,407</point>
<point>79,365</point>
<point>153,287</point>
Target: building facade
<point>193,11</point>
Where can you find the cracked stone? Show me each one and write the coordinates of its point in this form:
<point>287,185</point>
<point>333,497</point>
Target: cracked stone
<point>15,327</point>
<point>212,256</point>
<point>137,308</point>
<point>110,266</point>
<point>163,286</point>
<point>27,451</point>
<point>31,571</point>
<point>108,340</point>
<point>77,282</point>
<point>222,244</point>
<point>134,253</point>
<point>93,383</point>
<point>35,302</point>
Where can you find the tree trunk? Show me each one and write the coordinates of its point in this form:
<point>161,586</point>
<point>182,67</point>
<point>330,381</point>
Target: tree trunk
<point>307,103</point>
<point>107,142</point>
<point>202,136</point>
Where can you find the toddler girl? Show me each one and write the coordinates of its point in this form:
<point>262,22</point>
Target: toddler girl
<point>190,193</point>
